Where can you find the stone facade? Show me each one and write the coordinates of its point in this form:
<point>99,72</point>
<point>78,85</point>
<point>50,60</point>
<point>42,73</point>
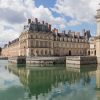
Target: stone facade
<point>98,36</point>
<point>92,50</point>
<point>37,39</point>
<point>11,49</point>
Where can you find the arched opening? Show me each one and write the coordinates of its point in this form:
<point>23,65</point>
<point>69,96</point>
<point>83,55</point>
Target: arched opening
<point>88,52</point>
<point>69,52</point>
<point>32,53</point>
<point>37,52</point>
<point>46,52</point>
<point>95,52</point>
<point>41,52</point>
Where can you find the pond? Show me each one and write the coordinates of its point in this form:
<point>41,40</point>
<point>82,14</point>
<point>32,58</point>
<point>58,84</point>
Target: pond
<point>48,83</point>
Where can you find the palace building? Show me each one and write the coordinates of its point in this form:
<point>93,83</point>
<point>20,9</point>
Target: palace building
<point>38,39</point>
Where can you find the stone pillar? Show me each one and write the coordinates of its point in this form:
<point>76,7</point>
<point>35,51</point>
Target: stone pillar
<point>28,52</point>
<point>98,36</point>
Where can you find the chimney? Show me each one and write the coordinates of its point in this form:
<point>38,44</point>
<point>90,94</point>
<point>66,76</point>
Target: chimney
<point>49,27</point>
<point>55,31</point>
<point>24,27</point>
<point>83,32</point>
<point>69,31</point>
<point>46,24</point>
<point>36,20</point>
<point>64,32</point>
<point>77,34</point>
<point>29,21</point>
<point>43,22</point>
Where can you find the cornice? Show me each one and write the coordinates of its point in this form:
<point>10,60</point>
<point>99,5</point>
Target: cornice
<point>97,37</point>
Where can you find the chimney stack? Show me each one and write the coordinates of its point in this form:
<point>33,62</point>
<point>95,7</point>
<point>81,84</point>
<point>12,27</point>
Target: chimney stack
<point>29,21</point>
<point>49,27</point>
<point>77,34</point>
<point>36,20</point>
<point>64,32</point>
<point>46,24</point>
<point>69,31</point>
<point>83,32</point>
<point>43,22</point>
<point>55,31</point>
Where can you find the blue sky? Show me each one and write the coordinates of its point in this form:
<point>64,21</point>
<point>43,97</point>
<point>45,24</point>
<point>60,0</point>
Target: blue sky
<point>46,3</point>
<point>84,25</point>
<point>62,14</point>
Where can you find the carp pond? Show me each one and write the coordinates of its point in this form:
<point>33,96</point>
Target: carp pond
<point>48,83</point>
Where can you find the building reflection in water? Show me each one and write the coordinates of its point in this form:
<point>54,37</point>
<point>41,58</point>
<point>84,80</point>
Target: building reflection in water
<point>40,81</point>
<point>98,82</point>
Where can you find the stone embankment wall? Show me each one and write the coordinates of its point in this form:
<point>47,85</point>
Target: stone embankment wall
<point>37,60</point>
<point>45,60</point>
<point>73,61</point>
<point>81,60</point>
<point>17,60</point>
<point>3,58</point>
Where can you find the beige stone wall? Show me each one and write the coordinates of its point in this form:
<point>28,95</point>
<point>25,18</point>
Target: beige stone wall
<point>98,47</point>
<point>98,35</point>
<point>12,50</point>
<point>69,47</point>
<point>45,44</point>
<point>92,50</point>
<point>98,78</point>
<point>38,44</point>
<point>23,44</point>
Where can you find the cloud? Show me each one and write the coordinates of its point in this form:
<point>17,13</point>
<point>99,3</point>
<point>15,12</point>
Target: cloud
<point>7,79</point>
<point>78,10</point>
<point>14,14</point>
<point>45,14</point>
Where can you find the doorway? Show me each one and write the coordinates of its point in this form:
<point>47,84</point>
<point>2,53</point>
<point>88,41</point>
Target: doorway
<point>69,52</point>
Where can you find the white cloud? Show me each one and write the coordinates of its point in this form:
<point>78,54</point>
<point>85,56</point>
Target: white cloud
<point>73,23</point>
<point>78,10</point>
<point>7,79</point>
<point>45,14</point>
<point>14,14</point>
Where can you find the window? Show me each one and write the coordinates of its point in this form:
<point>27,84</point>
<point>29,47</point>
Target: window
<point>31,36</point>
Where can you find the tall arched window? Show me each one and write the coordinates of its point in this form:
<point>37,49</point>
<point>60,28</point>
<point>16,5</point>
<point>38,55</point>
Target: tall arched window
<point>42,53</point>
<point>69,52</point>
<point>37,52</point>
<point>88,52</point>
<point>95,52</point>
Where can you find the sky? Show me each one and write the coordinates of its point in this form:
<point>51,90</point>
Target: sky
<point>72,15</point>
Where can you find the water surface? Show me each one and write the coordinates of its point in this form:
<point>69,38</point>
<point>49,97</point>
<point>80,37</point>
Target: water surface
<point>48,83</point>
